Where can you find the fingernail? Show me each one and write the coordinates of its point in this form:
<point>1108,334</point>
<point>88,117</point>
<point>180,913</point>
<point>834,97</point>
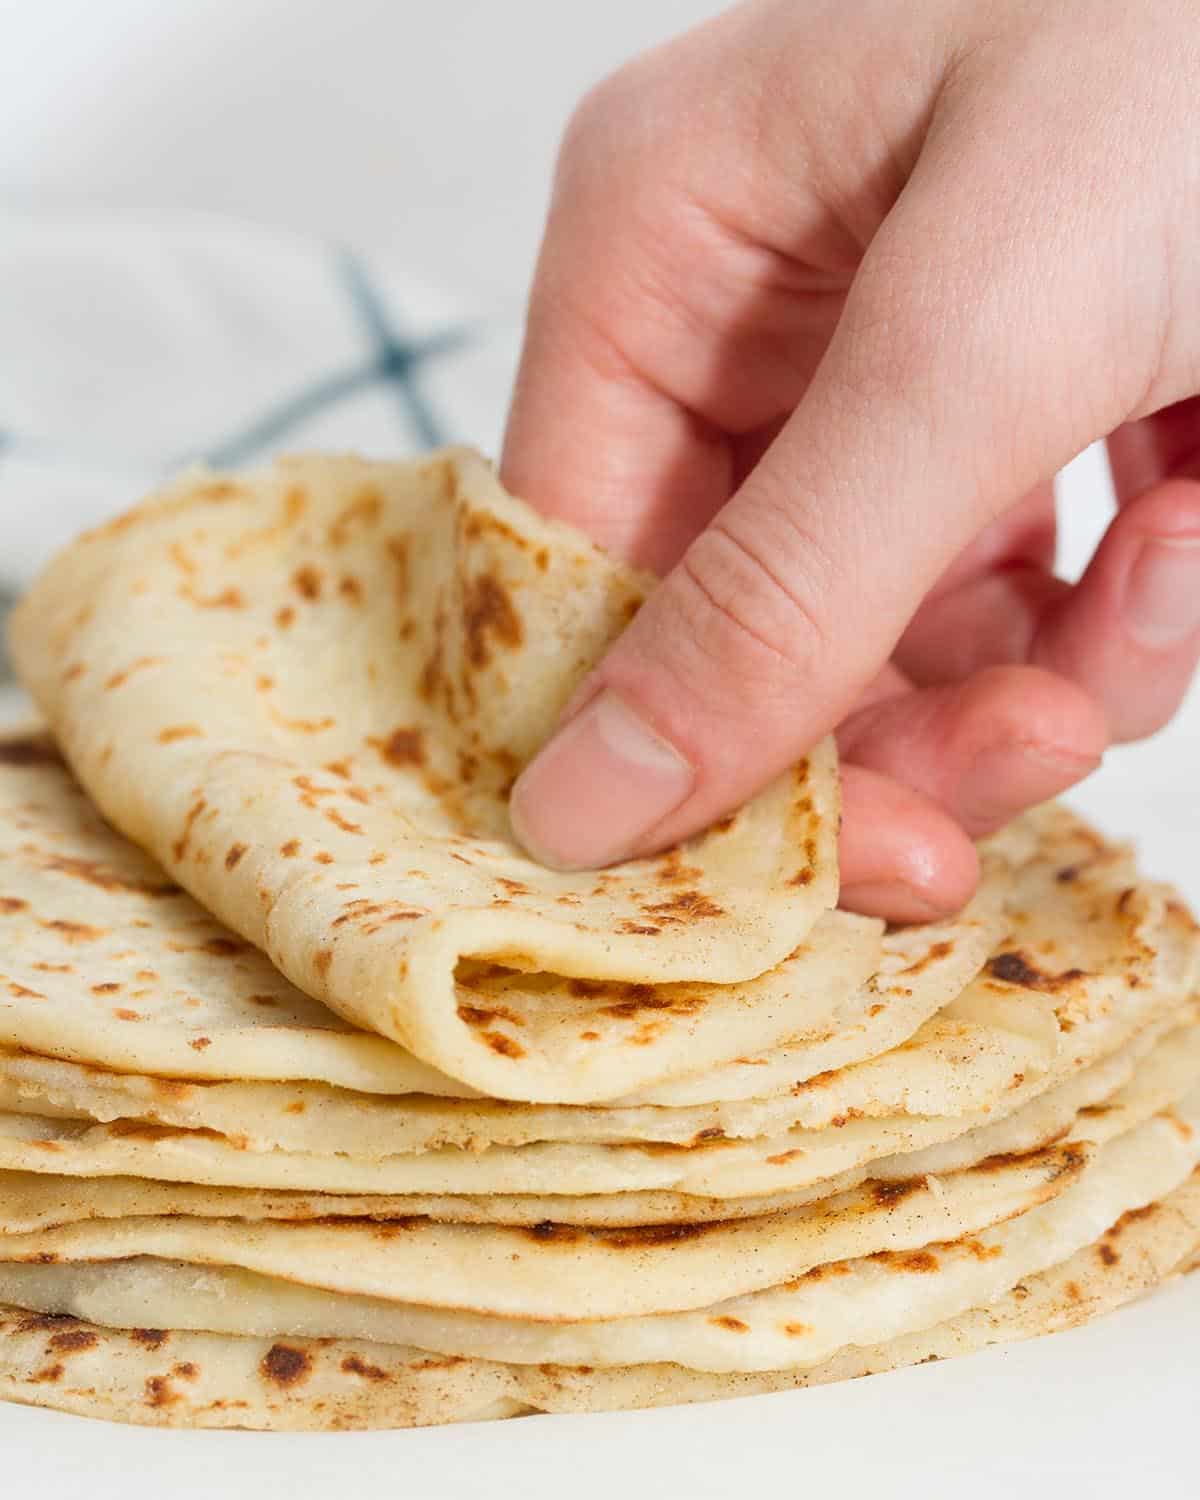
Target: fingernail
<point>1004,778</point>
<point>1162,598</point>
<point>890,899</point>
<point>601,784</point>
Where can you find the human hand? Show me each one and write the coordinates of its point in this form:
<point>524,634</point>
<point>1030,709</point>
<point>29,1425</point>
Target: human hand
<point>829,292</point>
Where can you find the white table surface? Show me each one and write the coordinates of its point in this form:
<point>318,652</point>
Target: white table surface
<point>429,130</point>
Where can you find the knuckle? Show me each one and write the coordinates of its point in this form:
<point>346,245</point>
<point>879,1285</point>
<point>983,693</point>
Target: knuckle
<point>739,618</point>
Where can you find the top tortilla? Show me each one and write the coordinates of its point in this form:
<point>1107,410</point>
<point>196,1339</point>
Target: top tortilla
<point>307,693</point>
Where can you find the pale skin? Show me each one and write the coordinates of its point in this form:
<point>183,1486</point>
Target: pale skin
<point>829,292</point>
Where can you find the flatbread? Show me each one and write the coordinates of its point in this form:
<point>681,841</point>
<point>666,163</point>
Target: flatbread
<point>557,1271</point>
<point>181,1379</point>
<point>1105,1100</point>
<point>306,694</point>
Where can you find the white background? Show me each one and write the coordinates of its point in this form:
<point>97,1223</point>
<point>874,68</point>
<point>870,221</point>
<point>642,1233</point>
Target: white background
<point>425,130</point>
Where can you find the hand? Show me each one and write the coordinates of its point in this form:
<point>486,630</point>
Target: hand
<point>829,293</point>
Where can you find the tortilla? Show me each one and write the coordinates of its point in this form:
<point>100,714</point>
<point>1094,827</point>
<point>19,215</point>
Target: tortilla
<point>306,694</point>
<point>182,1379</point>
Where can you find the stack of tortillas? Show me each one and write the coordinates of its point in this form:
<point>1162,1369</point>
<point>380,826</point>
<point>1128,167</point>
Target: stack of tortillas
<point>327,1107</point>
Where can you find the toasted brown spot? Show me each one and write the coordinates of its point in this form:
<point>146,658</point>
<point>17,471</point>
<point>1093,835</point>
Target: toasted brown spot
<point>802,877</point>
<point>938,951</point>
<point>11,904</point>
<point>323,858</point>
<point>505,1046</point>
<point>111,988</point>
<point>200,1043</point>
<point>20,992</point>
<point>176,732</point>
<point>160,1392</point>
<point>46,1322</point>
<point>119,679</point>
<point>322,960</point>
<point>233,855</point>
<point>1016,968</point>
<point>149,1338</point>
<point>48,1376</point>
<point>732,1325</point>
<point>290,849</point>
<point>227,599</point>
<point>74,932</point>
<point>488,612</point>
<point>1107,1254</point>
<point>307,582</point>
<point>285,618</point>
<point>351,589</point>
<point>403,747</point>
<point>74,1341</point>
<point>796,1330</point>
<point>126,1015</point>
<point>180,848</point>
<point>887,1194</point>
<point>353,1365</point>
<point>284,1366</point>
<point>365,511</point>
<point>684,906</point>
<point>333,816</point>
<point>639,929</point>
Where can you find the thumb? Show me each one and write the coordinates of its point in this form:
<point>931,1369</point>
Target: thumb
<point>784,609</point>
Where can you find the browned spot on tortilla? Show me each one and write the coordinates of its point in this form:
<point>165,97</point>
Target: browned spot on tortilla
<point>73,1341</point>
<point>74,672</point>
<point>364,510</point>
<point>323,857</point>
<point>175,732</point>
<point>200,1043</point>
<point>233,855</point>
<point>938,951</point>
<point>290,849</point>
<point>589,1036</point>
<point>11,904</point>
<point>333,816</point>
<point>684,906</point>
<point>1017,968</point>
<point>638,929</point>
<point>94,873</point>
<point>351,589</point>
<point>126,1015</point>
<point>302,726</point>
<point>74,932</point>
<point>1107,1254</point>
<point>119,679</point>
<point>20,992</point>
<point>185,1371</point>
<point>111,988</point>
<point>230,598</point>
<point>475,1015</point>
<point>796,1330</point>
<point>888,1194</point>
<point>322,960</point>
<point>160,1392</point>
<point>46,1322</point>
<point>403,747</point>
<point>180,848</point>
<point>307,582</point>
<point>783,1157</point>
<point>285,618</point>
<point>149,1338</point>
<point>48,1376</point>
<point>731,1325</point>
<point>919,1262</point>
<point>296,1107</point>
<point>802,877</point>
<point>29,750</point>
<point>488,612</point>
<point>286,1367</point>
<point>353,1365</point>
<point>503,1045</point>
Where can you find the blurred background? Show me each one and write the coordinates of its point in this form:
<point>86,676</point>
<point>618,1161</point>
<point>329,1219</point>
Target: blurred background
<point>229,227</point>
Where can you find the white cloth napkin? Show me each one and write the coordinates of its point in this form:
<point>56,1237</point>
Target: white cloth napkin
<point>131,349</point>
